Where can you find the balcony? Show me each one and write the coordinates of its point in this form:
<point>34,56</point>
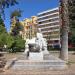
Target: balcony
<point>48,23</point>
<point>57,8</point>
<point>51,30</point>
<point>50,26</point>
<point>53,14</point>
<point>48,19</point>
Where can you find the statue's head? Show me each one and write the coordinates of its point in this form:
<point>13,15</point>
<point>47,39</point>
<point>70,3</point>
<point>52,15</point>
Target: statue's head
<point>39,30</point>
<point>39,34</point>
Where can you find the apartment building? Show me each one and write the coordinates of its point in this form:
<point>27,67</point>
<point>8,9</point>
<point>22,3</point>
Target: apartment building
<point>29,27</point>
<point>49,23</point>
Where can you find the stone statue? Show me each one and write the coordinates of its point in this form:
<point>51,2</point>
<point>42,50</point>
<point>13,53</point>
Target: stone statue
<point>36,44</point>
<point>36,56</point>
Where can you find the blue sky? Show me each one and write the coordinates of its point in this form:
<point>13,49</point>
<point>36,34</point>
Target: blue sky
<point>30,8</point>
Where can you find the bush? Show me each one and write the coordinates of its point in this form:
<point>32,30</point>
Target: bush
<point>10,41</point>
<point>18,45</point>
<point>3,38</point>
<point>71,49</point>
<point>50,48</point>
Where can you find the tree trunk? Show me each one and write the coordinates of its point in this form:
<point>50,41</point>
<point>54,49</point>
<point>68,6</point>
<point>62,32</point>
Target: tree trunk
<point>64,45</point>
<point>64,28</point>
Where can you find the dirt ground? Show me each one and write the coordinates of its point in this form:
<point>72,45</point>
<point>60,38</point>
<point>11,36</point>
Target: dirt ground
<point>68,71</point>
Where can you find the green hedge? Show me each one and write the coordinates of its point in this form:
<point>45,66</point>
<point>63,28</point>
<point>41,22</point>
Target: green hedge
<point>50,48</point>
<point>58,49</point>
<point>71,49</point>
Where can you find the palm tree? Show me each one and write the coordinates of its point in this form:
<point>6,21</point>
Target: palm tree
<point>72,21</point>
<point>5,4</point>
<point>16,13</point>
<point>64,27</point>
<point>15,24</point>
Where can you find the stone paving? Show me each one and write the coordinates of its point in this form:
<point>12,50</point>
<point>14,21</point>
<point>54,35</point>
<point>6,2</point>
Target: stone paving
<point>38,72</point>
<point>69,71</point>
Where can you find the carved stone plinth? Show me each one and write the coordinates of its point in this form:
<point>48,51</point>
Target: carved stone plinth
<point>35,56</point>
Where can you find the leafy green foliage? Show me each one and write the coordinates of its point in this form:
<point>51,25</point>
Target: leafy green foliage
<point>19,42</point>
<point>5,4</point>
<point>2,40</point>
<point>16,13</point>
<point>10,41</point>
<point>2,26</point>
<point>17,45</point>
<point>3,33</point>
<point>14,43</point>
<point>18,27</point>
<point>71,8</point>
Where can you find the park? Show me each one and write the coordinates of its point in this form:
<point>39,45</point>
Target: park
<point>41,45</point>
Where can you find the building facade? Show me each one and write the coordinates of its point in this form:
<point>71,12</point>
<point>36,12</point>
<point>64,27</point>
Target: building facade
<point>49,23</point>
<point>29,27</point>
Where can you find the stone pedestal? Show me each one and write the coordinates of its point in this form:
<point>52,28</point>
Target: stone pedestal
<point>49,62</point>
<point>35,56</point>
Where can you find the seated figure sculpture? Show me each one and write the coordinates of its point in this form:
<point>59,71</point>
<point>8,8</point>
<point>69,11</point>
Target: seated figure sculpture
<point>36,44</point>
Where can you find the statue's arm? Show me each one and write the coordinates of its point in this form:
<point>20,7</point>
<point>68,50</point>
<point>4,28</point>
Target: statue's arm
<point>26,47</point>
<point>44,42</point>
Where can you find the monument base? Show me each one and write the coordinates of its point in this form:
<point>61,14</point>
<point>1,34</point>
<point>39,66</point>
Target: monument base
<point>49,62</point>
<point>35,56</point>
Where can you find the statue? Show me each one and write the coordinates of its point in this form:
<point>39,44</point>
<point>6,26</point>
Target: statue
<point>36,44</point>
<point>36,56</point>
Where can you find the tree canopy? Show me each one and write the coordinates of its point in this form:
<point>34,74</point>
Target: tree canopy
<point>3,33</point>
<point>5,4</point>
<point>71,9</point>
<point>18,27</point>
<point>16,13</point>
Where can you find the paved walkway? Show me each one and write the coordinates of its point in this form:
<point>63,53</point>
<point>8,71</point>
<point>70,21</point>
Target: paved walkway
<point>69,71</point>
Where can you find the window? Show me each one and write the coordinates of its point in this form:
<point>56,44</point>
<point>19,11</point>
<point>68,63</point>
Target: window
<point>40,22</point>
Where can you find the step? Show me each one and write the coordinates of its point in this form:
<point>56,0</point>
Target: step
<point>45,64</point>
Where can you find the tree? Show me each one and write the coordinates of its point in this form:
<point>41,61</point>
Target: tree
<point>15,24</point>
<point>16,13</point>
<point>17,45</point>
<point>16,29</point>
<point>5,38</point>
<point>2,26</point>
<point>9,41</point>
<point>5,4</point>
<point>3,33</point>
<point>71,8</point>
<point>64,26</point>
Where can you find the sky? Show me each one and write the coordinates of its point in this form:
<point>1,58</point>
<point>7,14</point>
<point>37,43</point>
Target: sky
<point>29,8</point>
